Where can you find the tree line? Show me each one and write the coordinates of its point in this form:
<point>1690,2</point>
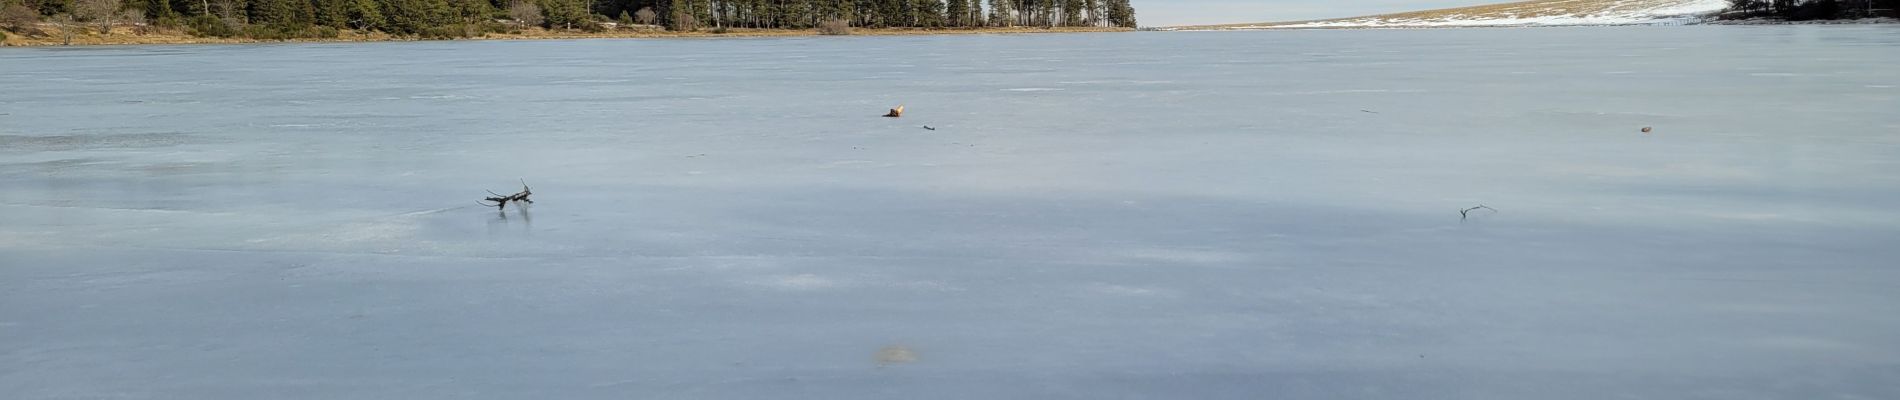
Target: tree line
<point>1797,10</point>
<point>458,18</point>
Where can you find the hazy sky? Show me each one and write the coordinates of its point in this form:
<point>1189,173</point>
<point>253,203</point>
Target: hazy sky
<point>1185,12</point>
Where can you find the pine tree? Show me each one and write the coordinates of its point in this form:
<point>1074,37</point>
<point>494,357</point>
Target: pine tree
<point>1072,12</point>
<point>366,15</point>
<point>279,13</point>
<point>160,12</point>
<point>567,14</point>
<point>930,13</point>
<point>975,17</point>
<point>409,17</point>
<point>958,12</point>
<point>428,17</point>
<point>472,11</point>
<point>1121,14</point>
<point>1000,11</point>
<point>332,13</point>
<point>1094,9</point>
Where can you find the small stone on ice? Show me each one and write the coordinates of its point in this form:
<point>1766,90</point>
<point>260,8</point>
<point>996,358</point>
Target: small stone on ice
<point>895,354</point>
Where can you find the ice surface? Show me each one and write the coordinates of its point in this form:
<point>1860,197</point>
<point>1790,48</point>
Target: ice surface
<point>1192,215</point>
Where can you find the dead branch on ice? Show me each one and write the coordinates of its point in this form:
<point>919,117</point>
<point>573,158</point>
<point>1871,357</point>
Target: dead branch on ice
<point>1466,213</point>
<point>501,202</point>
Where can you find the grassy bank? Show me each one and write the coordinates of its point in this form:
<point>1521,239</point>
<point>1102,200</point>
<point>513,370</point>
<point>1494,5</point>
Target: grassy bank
<point>53,35</point>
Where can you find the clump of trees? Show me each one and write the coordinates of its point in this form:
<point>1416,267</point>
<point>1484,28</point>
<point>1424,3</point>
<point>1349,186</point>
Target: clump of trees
<point>1800,10</point>
<point>284,19</point>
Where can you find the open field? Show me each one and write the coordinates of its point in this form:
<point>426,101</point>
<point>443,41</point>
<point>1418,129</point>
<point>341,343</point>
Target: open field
<point>1525,13</point>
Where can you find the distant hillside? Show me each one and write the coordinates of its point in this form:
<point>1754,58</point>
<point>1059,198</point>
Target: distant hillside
<point>1526,13</point>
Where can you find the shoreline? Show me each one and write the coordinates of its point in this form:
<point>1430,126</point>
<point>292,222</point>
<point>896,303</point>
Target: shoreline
<point>122,36</point>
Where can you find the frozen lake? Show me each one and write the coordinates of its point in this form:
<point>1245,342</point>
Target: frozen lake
<point>1233,215</point>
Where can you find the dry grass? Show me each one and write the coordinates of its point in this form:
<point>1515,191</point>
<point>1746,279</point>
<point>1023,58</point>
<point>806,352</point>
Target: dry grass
<point>124,36</point>
<point>1522,9</point>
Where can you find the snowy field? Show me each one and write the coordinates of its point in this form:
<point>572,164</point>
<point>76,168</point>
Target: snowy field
<point>1097,216</point>
<point>1523,13</point>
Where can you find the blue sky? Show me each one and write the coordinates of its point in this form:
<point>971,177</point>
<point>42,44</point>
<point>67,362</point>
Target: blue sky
<point>1187,12</point>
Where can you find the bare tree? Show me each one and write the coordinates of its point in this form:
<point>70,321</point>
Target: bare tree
<point>99,11</point>
<point>67,28</point>
<point>684,22</point>
<point>230,10</point>
<point>836,27</point>
<point>526,14</point>
<point>646,15</point>
<point>1856,8</point>
<point>136,19</point>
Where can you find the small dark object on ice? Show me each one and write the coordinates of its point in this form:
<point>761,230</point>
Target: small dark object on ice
<point>1369,111</point>
<point>929,128</point>
<point>1646,129</point>
<point>1466,213</point>
<point>501,202</point>
<point>895,112</point>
